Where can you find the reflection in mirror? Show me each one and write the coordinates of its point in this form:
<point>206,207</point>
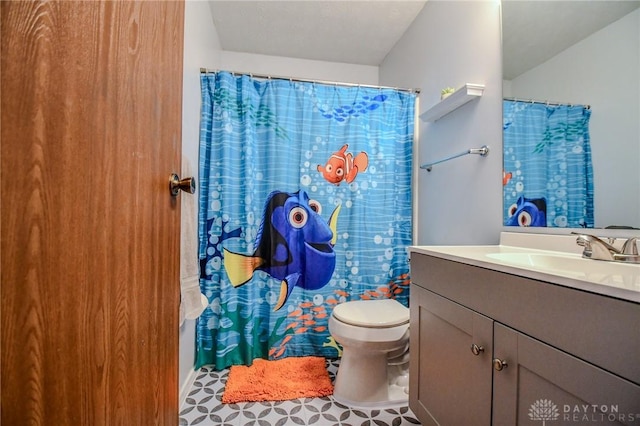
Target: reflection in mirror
<point>573,67</point>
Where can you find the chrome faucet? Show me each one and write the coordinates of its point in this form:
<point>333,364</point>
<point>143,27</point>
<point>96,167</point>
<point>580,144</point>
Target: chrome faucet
<point>598,249</point>
<point>595,248</point>
<point>630,246</point>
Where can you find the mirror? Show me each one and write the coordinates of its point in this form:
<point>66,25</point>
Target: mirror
<point>582,53</point>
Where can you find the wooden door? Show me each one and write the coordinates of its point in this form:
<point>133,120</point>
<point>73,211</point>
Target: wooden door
<point>91,128</point>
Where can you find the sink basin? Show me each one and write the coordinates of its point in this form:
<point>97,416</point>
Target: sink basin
<point>612,273</point>
<point>547,261</point>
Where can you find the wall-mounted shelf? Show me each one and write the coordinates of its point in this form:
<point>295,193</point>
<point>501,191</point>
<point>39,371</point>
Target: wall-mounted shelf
<point>458,98</point>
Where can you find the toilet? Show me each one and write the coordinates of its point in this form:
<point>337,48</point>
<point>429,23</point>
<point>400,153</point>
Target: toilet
<point>374,369</point>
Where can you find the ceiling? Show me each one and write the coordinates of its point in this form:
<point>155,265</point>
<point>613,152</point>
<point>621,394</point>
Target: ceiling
<point>354,32</point>
<point>535,31</point>
<point>363,32</point>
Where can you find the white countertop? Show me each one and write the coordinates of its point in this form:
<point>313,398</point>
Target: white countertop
<point>533,259</point>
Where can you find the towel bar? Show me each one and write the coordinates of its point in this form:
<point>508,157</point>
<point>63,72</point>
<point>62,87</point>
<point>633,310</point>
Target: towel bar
<point>483,151</point>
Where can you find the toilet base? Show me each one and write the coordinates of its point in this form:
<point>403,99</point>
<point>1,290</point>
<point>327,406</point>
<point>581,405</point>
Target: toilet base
<point>356,386</point>
<point>397,398</point>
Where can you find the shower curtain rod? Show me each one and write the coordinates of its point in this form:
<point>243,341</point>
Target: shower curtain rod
<point>533,101</point>
<point>302,80</point>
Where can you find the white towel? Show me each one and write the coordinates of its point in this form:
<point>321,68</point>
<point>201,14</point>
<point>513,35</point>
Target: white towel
<point>192,302</point>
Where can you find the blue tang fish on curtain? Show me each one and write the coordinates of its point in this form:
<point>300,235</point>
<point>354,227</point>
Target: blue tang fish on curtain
<point>294,245</point>
<point>305,202</point>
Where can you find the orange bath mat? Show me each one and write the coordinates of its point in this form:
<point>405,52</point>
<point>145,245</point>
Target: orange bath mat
<point>278,380</point>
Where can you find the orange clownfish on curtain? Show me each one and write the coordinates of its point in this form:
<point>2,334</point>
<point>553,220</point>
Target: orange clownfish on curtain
<point>343,166</point>
<point>506,177</point>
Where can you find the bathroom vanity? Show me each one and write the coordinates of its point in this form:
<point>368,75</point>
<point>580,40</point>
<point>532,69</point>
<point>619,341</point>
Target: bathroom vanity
<point>505,335</point>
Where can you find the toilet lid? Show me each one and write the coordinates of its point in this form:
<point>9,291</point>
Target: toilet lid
<point>372,313</point>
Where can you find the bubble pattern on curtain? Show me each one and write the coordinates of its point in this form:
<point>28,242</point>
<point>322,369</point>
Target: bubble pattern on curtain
<point>548,174</point>
<point>283,165</point>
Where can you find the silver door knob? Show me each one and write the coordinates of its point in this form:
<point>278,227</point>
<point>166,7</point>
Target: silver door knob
<point>476,349</point>
<point>499,364</point>
<point>176,184</point>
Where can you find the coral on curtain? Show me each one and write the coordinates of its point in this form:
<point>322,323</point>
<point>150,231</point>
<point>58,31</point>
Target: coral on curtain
<point>305,202</point>
<point>548,174</point>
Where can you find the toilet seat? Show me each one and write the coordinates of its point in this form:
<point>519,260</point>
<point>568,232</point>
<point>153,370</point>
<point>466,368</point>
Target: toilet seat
<point>372,313</point>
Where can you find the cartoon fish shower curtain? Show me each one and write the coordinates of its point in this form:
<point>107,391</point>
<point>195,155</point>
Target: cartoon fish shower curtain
<point>548,174</point>
<point>305,202</point>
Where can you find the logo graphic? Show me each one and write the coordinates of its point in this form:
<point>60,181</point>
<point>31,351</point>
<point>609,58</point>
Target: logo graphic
<point>543,409</point>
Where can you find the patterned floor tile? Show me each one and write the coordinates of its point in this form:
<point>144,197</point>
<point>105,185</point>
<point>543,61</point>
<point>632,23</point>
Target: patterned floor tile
<point>203,406</point>
<point>281,413</point>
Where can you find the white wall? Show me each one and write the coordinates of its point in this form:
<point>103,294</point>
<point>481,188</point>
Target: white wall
<point>200,42</point>
<point>202,50</point>
<point>450,44</point>
<point>600,68</point>
<point>299,68</point>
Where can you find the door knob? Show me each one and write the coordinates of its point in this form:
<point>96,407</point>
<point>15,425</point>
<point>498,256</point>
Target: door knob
<point>499,364</point>
<point>176,184</point>
<point>476,349</point>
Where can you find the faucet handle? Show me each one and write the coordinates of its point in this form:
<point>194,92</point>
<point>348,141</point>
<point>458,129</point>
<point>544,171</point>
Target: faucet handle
<point>583,241</point>
<point>630,246</point>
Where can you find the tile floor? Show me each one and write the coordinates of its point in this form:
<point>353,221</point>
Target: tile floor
<point>203,406</point>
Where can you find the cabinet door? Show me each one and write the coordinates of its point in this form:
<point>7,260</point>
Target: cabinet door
<point>541,383</point>
<point>449,385</point>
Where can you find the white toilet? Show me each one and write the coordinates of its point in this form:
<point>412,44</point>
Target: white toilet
<point>374,369</point>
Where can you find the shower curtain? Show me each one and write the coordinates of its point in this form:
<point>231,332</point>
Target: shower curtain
<point>305,202</point>
<point>548,174</point>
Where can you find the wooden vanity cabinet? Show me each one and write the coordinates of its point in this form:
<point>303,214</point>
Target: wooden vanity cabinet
<point>486,364</point>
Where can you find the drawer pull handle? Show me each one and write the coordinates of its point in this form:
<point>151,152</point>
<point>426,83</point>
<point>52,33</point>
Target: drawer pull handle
<point>476,349</point>
<point>499,364</point>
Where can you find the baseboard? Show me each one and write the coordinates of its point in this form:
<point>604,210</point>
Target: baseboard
<point>186,386</point>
